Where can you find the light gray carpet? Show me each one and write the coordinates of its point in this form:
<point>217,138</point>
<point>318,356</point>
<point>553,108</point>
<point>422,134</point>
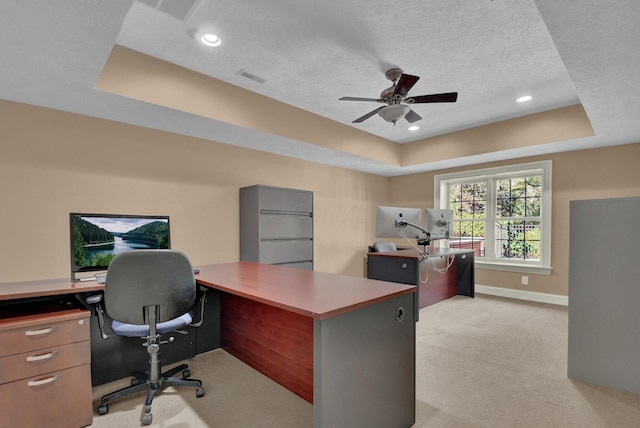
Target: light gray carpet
<point>483,362</point>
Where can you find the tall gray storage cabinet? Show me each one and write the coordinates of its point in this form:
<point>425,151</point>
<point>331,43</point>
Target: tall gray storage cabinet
<point>604,293</point>
<point>276,226</point>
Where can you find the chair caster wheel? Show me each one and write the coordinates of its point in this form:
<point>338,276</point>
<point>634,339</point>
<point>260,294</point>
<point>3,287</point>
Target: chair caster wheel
<point>186,373</point>
<point>146,419</point>
<point>199,392</point>
<point>103,409</point>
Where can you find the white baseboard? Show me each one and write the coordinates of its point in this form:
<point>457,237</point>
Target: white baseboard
<point>554,299</point>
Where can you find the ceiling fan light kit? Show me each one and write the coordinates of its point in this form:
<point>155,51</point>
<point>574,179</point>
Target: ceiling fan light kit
<point>394,112</point>
<point>398,101</point>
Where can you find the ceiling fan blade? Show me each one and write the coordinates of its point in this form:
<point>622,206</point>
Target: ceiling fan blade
<point>368,115</point>
<point>405,83</point>
<point>448,97</point>
<point>412,116</point>
<point>360,99</point>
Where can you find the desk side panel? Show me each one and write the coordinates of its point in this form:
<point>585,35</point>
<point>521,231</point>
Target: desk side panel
<point>438,286</point>
<point>274,341</point>
<point>365,367</point>
<point>465,266</point>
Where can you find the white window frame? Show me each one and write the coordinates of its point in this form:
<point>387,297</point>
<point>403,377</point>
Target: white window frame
<point>441,200</point>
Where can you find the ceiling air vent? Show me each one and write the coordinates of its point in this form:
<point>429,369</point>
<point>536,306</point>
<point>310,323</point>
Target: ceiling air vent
<point>253,77</point>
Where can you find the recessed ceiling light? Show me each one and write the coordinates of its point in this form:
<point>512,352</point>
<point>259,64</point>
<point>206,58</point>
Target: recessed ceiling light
<point>524,99</point>
<point>414,128</point>
<point>211,40</point>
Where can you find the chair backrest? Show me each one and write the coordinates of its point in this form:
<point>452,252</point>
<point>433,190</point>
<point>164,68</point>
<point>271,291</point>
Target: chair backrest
<point>383,247</point>
<point>149,277</point>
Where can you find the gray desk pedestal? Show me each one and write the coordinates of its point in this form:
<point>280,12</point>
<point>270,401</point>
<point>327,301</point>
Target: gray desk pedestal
<point>364,367</point>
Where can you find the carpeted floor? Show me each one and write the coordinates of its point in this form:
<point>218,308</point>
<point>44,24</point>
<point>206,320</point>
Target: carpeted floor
<point>483,362</point>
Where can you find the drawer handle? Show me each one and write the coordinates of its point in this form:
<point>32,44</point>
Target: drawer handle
<point>39,382</point>
<point>41,331</point>
<point>46,356</point>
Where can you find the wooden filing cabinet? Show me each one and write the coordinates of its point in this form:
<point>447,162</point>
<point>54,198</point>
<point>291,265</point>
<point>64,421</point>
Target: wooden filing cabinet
<point>45,369</point>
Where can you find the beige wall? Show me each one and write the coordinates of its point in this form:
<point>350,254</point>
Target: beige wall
<point>588,174</point>
<point>550,126</point>
<point>53,163</point>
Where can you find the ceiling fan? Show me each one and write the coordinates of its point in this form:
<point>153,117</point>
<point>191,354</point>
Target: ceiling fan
<point>397,100</point>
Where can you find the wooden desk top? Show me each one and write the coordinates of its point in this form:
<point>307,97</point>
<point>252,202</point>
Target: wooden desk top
<point>45,287</point>
<point>313,294</point>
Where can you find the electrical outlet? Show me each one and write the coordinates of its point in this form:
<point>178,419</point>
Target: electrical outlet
<point>525,280</point>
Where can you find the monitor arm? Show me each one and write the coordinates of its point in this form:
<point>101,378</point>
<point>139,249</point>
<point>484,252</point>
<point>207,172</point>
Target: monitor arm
<point>424,241</point>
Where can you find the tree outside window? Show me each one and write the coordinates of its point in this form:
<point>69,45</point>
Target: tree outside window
<point>502,213</point>
<point>468,202</point>
<point>517,225</point>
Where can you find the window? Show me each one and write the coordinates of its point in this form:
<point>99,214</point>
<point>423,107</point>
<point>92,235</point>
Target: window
<point>503,213</point>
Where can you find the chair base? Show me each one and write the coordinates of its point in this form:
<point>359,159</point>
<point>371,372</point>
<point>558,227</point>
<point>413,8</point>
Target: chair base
<point>140,381</point>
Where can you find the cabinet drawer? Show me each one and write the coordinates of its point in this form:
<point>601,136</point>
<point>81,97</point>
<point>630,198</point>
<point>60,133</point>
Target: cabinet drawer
<point>34,363</point>
<point>273,226</point>
<point>286,251</point>
<point>42,336</point>
<point>308,265</point>
<point>57,399</point>
<point>277,199</point>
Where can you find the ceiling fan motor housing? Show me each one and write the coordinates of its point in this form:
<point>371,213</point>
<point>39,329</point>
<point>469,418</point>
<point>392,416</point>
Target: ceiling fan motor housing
<point>387,94</point>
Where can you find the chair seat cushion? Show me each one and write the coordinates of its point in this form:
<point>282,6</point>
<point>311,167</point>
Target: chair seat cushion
<point>137,330</point>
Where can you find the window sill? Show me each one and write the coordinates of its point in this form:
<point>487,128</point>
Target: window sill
<point>511,267</point>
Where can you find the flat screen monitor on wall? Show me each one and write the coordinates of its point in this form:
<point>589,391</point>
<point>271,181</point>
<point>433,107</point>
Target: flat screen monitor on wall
<point>97,238</point>
<point>387,226</point>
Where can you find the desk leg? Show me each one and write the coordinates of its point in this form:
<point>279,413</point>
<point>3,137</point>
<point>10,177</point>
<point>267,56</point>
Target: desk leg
<point>364,367</point>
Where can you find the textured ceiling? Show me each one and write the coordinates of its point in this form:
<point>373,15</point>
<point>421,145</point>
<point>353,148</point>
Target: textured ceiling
<point>309,54</point>
<point>312,53</point>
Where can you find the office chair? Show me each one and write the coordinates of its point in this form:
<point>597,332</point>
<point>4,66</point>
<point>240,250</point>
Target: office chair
<point>149,293</point>
<point>383,247</point>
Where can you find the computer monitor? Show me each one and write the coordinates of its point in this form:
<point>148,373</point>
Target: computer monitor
<point>388,227</point>
<point>95,239</point>
<point>439,223</point>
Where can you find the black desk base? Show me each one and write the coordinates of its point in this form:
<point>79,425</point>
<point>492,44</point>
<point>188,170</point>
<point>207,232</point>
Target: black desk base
<point>404,267</point>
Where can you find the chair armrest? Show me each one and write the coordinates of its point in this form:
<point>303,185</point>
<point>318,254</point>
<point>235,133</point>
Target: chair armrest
<point>200,302</point>
<point>94,303</point>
